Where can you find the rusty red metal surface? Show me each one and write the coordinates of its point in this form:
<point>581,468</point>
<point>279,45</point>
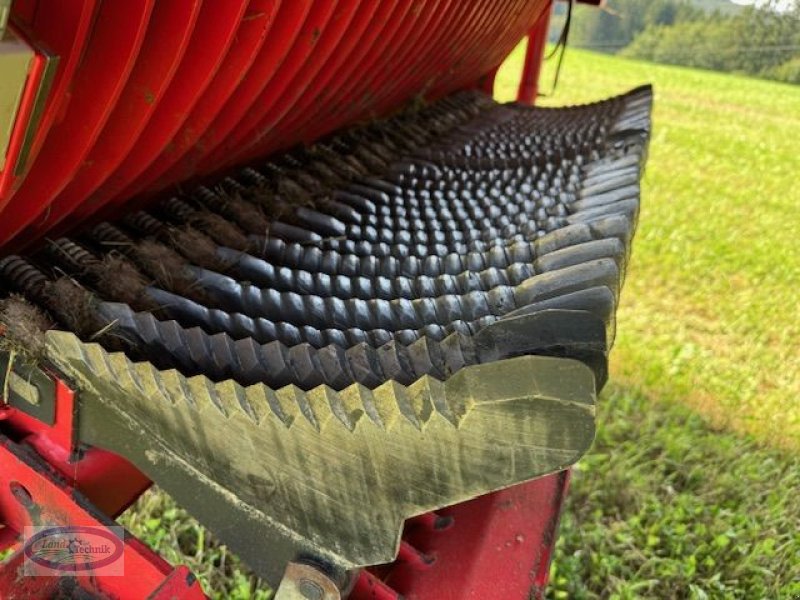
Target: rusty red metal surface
<point>33,494</point>
<point>149,94</point>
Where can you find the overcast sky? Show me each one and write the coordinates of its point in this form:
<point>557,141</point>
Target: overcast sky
<point>781,4</point>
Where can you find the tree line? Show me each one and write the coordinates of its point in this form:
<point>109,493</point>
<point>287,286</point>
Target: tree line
<point>707,34</point>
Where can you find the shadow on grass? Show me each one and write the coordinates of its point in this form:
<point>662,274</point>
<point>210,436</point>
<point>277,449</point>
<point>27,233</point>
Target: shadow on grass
<point>665,506</point>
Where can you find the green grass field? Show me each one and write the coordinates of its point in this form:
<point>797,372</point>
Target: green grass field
<point>710,313</point>
<point>693,487</point>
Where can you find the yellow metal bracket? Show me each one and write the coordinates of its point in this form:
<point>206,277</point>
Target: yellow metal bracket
<point>328,473</point>
<point>16,60</point>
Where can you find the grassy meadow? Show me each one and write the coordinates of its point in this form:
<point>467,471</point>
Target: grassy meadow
<point>692,489</point>
<point>710,313</point>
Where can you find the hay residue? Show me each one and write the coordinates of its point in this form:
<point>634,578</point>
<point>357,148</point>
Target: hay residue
<point>120,280</point>
<point>289,188</point>
<point>168,268</point>
<point>308,182</point>
<point>277,207</point>
<point>198,248</point>
<point>23,326</point>
<point>247,215</point>
<point>373,161</point>
<point>75,306</point>
<point>221,231</point>
<point>329,178</point>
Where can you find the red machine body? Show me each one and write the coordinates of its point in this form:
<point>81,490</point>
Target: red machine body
<point>150,94</point>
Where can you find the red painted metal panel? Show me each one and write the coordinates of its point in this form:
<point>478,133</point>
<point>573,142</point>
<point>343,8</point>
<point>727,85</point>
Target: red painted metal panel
<point>163,47</point>
<point>213,34</point>
<point>426,39</point>
<point>301,51</point>
<point>473,34</point>
<point>416,20</point>
<point>247,43</point>
<point>231,84</point>
<point>488,51</point>
<point>429,51</point>
<point>325,48</point>
<point>115,38</point>
<point>32,495</point>
<point>400,22</point>
<point>366,21</point>
<point>109,481</point>
<point>389,62</point>
<point>333,50</point>
<point>287,26</point>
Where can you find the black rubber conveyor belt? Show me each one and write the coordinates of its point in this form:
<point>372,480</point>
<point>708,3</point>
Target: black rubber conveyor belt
<point>377,254</point>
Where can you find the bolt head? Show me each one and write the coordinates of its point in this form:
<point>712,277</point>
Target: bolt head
<point>310,589</point>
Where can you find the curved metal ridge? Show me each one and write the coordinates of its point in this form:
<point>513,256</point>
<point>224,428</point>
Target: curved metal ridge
<point>320,483</point>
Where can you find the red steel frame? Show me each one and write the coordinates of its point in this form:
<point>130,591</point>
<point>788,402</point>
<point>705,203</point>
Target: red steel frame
<point>496,546</point>
<point>46,481</point>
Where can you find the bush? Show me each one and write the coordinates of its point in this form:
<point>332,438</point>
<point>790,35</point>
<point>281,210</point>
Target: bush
<point>788,72</point>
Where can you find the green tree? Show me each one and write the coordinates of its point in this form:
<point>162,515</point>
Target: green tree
<point>758,42</point>
<point>620,21</point>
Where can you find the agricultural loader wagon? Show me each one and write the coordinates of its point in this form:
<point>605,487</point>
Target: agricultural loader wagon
<point>290,261</point>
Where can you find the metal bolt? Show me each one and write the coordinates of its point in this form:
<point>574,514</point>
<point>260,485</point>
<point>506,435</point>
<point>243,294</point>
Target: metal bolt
<point>310,589</point>
<point>21,494</point>
<point>306,582</point>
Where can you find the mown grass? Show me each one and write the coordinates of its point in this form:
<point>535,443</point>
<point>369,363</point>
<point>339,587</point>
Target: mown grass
<point>691,490</point>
